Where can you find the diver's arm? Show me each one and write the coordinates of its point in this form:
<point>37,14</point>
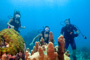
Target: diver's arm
<point>77,33</point>
<point>10,24</point>
<point>23,27</point>
<point>34,39</point>
<point>76,30</point>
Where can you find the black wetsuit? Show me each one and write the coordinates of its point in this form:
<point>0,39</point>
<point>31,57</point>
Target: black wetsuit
<point>69,39</point>
<point>46,40</point>
<point>16,25</point>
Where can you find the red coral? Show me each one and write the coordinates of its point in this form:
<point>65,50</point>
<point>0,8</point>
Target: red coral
<point>50,51</point>
<point>4,56</point>
<point>51,37</point>
<point>61,43</point>
<point>36,45</point>
<point>41,54</point>
<point>32,52</point>
<point>42,41</point>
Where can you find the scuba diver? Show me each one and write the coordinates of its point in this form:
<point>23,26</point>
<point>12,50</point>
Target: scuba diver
<point>44,34</point>
<point>70,32</point>
<point>15,21</point>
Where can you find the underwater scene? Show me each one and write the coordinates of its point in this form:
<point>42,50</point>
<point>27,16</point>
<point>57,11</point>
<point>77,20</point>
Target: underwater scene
<point>44,29</point>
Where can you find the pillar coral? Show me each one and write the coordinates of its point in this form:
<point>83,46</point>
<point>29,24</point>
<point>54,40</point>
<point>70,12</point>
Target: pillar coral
<point>41,54</point>
<point>34,49</point>
<point>32,52</point>
<point>43,47</point>
<point>51,37</point>
<point>47,52</point>
<point>37,46</point>
<point>28,49</point>
<point>42,41</point>
<point>50,52</point>
<point>61,46</point>
<point>27,55</point>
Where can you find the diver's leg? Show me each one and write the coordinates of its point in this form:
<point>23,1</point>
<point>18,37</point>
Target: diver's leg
<point>66,44</point>
<point>73,45</point>
<point>74,54</point>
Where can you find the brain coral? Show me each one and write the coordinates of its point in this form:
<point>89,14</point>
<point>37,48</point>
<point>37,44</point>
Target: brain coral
<point>11,42</point>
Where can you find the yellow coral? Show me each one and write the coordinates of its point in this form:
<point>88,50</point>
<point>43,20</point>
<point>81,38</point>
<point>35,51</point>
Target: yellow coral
<point>15,41</point>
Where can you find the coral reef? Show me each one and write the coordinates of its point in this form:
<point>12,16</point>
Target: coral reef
<point>48,51</point>
<point>83,53</point>
<point>12,47</point>
<point>11,44</point>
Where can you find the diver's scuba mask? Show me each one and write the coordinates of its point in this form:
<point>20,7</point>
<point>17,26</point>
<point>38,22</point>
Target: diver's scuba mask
<point>47,29</point>
<point>17,16</point>
<point>67,21</point>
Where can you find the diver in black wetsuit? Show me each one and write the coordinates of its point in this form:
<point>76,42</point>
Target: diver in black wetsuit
<point>44,34</point>
<point>15,22</point>
<point>69,36</point>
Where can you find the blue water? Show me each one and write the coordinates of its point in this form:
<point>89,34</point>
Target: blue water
<point>38,13</point>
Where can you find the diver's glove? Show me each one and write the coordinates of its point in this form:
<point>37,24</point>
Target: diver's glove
<point>75,35</point>
<point>12,26</point>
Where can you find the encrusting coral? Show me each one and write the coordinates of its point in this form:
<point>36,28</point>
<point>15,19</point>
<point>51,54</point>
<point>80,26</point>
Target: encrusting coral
<point>48,51</point>
<point>11,44</point>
